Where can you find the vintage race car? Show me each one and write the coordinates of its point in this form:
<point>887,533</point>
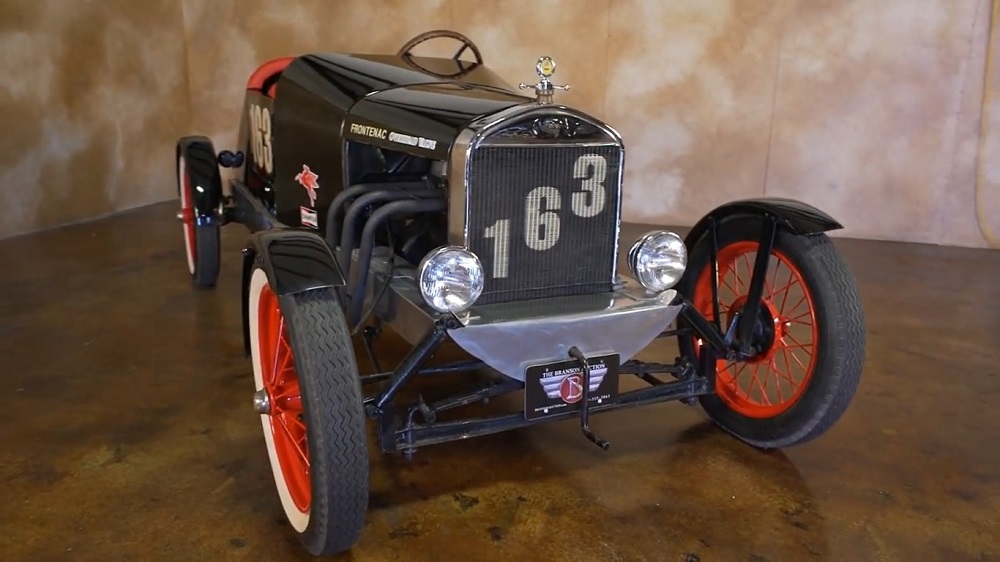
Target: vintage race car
<point>426,195</point>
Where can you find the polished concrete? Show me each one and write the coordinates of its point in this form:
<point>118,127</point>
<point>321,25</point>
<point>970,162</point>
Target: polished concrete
<point>127,433</point>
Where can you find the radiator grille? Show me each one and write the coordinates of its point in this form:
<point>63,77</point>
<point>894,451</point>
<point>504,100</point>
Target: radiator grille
<point>543,218</point>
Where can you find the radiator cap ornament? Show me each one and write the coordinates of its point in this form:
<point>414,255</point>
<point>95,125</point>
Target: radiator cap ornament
<point>545,67</point>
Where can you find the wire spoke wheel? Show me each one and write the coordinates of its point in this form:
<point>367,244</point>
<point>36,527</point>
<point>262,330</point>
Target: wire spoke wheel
<point>187,215</point>
<point>808,338</point>
<point>308,396</point>
<point>284,397</point>
<point>776,377</point>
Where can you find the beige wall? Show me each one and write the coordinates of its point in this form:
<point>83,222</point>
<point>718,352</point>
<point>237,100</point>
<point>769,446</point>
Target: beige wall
<point>92,97</point>
<point>869,109</point>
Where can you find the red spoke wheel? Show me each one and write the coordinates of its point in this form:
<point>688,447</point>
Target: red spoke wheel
<point>308,395</point>
<point>772,381</point>
<point>809,336</point>
<point>198,178</point>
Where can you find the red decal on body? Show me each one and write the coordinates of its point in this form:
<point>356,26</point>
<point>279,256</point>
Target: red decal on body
<point>307,179</point>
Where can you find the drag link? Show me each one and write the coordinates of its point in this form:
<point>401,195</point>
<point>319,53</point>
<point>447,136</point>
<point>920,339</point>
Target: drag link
<point>575,353</point>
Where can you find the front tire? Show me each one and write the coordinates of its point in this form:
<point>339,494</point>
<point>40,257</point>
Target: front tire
<point>310,401</point>
<point>810,323</point>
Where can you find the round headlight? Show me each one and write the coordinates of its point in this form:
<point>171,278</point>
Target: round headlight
<point>451,279</point>
<point>658,260</point>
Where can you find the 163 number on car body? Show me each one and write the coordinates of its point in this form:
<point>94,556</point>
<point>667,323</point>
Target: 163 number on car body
<point>260,138</point>
<point>560,213</point>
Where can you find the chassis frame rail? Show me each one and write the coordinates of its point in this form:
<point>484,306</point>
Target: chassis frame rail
<point>413,436</point>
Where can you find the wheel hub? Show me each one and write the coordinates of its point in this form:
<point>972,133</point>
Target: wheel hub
<point>262,402</point>
<point>767,331</point>
<point>186,215</point>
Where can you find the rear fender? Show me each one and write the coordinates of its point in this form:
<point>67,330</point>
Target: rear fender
<point>792,215</point>
<point>199,158</point>
<point>294,261</point>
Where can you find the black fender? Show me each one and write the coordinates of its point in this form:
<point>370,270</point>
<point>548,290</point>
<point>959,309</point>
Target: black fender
<point>202,166</point>
<point>793,215</point>
<point>295,260</point>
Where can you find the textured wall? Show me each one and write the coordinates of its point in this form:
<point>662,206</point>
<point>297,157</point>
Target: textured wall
<point>868,109</point>
<point>92,97</point>
<point>984,173</point>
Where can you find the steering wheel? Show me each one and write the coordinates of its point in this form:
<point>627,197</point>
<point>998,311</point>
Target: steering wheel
<point>465,41</point>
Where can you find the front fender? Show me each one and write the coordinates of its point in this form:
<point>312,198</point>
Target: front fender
<point>294,261</point>
<point>793,215</point>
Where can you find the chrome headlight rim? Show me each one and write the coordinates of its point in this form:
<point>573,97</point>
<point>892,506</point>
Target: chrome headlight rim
<point>645,243</point>
<point>433,259</point>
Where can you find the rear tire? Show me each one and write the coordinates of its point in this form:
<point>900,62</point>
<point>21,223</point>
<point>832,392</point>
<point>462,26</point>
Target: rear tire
<point>315,425</point>
<point>824,334</point>
<point>201,241</point>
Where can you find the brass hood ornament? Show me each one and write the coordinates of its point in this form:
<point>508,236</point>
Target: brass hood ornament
<point>545,67</point>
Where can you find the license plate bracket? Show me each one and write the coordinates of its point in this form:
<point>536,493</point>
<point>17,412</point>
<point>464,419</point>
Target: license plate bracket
<point>556,387</point>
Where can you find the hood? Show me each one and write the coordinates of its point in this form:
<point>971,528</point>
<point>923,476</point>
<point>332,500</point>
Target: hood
<point>424,119</point>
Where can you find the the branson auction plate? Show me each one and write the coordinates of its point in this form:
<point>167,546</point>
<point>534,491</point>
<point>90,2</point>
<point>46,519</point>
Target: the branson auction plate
<point>557,388</point>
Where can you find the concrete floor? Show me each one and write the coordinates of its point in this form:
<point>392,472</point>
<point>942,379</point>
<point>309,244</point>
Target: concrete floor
<point>127,433</point>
